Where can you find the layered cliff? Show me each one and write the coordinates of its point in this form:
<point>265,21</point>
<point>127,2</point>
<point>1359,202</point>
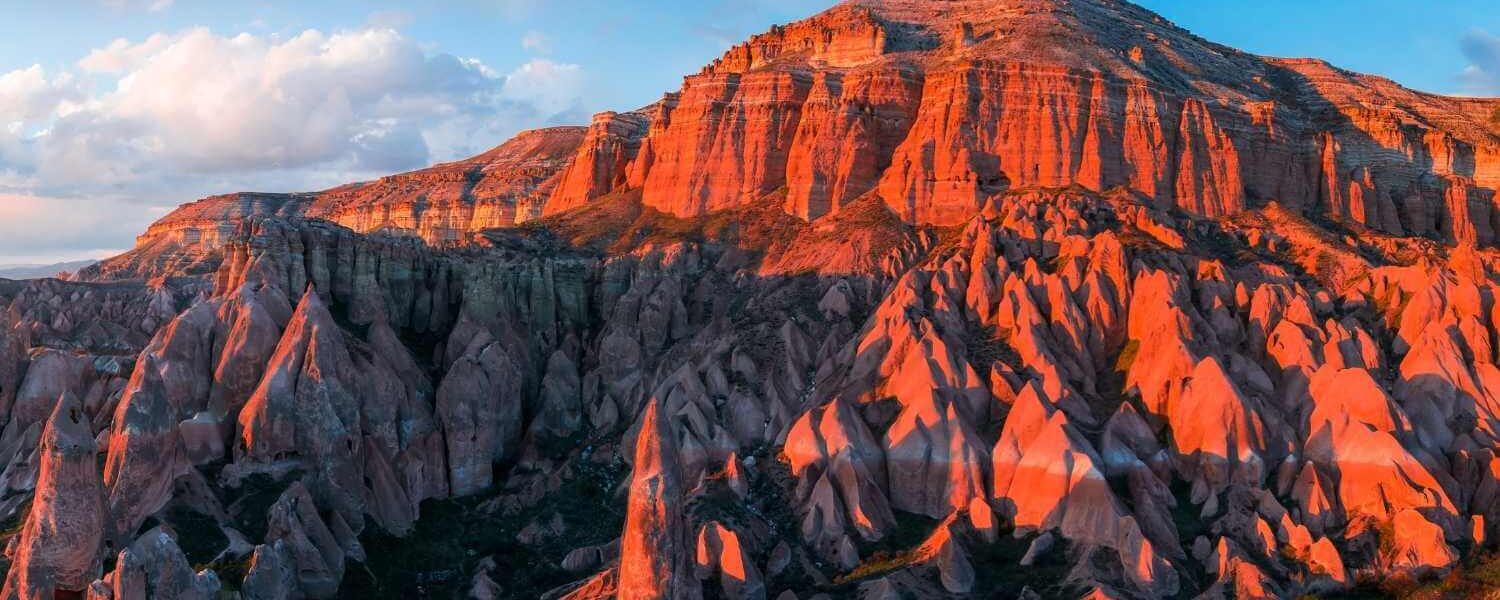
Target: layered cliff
<point>936,107</point>
<point>443,204</point>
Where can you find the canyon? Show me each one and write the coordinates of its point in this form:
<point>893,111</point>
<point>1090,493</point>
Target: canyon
<point>909,299</point>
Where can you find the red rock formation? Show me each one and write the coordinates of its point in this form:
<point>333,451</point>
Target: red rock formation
<point>1055,269</point>
<point>272,573</point>
<point>945,551</point>
<point>146,453</point>
<point>154,567</point>
<point>656,549</point>
<point>479,406</point>
<point>720,551</point>
<point>306,409</point>
<point>611,142</point>
<point>849,126</point>
<point>886,94</point>
<point>1215,431</point>
<point>842,474</point>
<point>58,551</point>
<point>936,111</point>
<point>315,551</point>
<point>443,204</point>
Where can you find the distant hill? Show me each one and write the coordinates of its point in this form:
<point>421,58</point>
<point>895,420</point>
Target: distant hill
<point>40,271</point>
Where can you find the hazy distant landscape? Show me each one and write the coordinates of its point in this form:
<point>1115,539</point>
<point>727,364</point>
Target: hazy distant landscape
<point>34,271</point>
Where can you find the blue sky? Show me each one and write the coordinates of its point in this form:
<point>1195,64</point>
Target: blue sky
<point>114,111</point>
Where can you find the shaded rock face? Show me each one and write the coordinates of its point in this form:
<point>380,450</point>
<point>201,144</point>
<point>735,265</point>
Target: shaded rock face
<point>58,550</point>
<point>306,407</point>
<point>154,567</point>
<point>903,300</point>
<point>66,339</point>
<point>479,405</point>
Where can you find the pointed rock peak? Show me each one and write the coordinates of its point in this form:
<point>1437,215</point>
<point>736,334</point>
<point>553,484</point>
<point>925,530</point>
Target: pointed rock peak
<point>721,550</point>
<point>68,432</point>
<point>655,445</point>
<point>1210,372</point>
<point>1027,417</point>
<point>945,551</point>
<point>144,405</point>
<point>1127,416</point>
<point>1352,393</point>
<point>656,547</point>
<point>154,566</point>
<point>734,475</point>
<point>1465,262</point>
<point>57,550</point>
<point>1214,426</point>
<point>311,304</point>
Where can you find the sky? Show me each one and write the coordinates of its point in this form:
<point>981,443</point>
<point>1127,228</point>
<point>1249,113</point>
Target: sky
<point>112,112</point>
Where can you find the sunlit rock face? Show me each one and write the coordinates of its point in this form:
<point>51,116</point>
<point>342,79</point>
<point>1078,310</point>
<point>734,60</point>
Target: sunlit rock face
<point>910,299</point>
<point>936,108</point>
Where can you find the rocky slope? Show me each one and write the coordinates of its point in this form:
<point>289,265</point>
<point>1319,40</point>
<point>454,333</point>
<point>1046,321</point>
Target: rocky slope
<point>442,205</point>
<point>984,298</point>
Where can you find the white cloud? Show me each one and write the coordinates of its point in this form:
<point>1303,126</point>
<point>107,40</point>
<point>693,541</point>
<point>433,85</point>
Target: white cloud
<point>1482,75</point>
<point>121,55</point>
<point>553,87</point>
<point>28,95</point>
<point>178,116</point>
<point>205,103</point>
<point>537,42</point>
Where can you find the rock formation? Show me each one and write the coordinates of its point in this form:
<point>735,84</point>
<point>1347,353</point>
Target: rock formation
<point>907,299</point>
<point>656,546</point>
<point>154,567</point>
<point>58,550</point>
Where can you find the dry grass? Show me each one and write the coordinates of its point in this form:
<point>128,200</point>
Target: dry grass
<point>878,564</point>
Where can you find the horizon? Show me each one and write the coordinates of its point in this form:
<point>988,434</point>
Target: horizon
<point>152,104</point>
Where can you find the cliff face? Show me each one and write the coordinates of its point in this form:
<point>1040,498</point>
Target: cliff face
<point>443,204</point>
<point>938,107</point>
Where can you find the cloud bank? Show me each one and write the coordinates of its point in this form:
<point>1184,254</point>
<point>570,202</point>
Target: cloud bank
<point>136,125</point>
